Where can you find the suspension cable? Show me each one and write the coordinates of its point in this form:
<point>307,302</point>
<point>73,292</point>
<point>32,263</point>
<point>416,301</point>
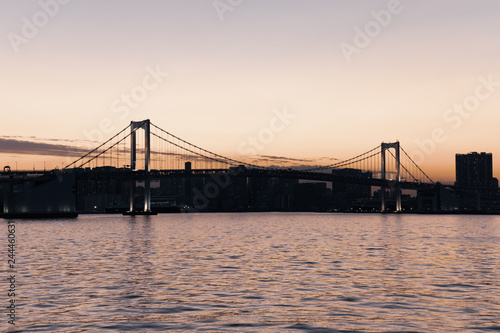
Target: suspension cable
<point>416,165</point>
<point>123,130</point>
<point>401,165</point>
<point>206,151</point>
<point>191,151</point>
<point>350,163</point>
<point>106,150</point>
<point>345,162</point>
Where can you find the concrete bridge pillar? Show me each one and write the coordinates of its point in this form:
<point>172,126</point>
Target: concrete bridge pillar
<point>397,188</point>
<point>134,126</point>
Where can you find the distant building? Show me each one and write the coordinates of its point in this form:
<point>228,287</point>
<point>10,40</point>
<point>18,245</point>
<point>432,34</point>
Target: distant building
<point>436,199</point>
<point>260,193</point>
<point>345,194</point>
<point>39,194</point>
<point>310,196</point>
<point>475,170</point>
<point>284,192</point>
<point>478,190</point>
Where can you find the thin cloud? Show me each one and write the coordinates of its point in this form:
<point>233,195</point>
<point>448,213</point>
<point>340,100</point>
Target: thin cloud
<point>35,139</point>
<point>284,159</point>
<point>54,147</point>
<point>329,158</point>
<point>12,146</point>
<point>296,162</point>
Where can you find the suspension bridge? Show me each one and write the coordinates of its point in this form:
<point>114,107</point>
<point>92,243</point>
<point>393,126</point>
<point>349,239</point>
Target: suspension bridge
<point>158,153</point>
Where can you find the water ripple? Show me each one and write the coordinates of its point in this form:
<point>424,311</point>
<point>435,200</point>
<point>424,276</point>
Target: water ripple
<point>259,272</point>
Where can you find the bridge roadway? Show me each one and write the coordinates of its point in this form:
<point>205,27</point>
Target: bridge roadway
<point>127,174</point>
<point>19,177</point>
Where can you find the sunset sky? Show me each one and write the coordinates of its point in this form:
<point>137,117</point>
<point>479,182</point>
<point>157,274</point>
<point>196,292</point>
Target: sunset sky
<point>350,74</point>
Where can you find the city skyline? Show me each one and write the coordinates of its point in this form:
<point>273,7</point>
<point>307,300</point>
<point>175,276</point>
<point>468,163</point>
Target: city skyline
<point>348,75</point>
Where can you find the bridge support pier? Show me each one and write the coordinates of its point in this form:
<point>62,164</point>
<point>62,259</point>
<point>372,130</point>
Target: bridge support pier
<point>395,187</point>
<point>132,196</point>
<point>134,126</point>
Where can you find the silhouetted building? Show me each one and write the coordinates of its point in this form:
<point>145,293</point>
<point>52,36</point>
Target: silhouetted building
<point>478,190</point>
<point>345,194</point>
<point>225,193</point>
<point>438,198</point>
<point>172,187</point>
<point>39,194</point>
<point>100,188</point>
<point>260,193</point>
<point>475,170</point>
<point>236,194</point>
<point>310,197</point>
<point>284,193</point>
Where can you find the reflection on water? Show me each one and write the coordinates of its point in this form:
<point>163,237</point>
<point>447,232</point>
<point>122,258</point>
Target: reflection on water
<point>259,272</point>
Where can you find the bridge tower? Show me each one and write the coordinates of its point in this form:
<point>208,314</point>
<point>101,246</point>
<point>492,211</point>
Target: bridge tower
<point>134,126</point>
<point>397,187</point>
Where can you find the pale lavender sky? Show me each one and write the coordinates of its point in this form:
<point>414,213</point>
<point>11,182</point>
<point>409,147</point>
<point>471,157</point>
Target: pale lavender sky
<point>228,71</point>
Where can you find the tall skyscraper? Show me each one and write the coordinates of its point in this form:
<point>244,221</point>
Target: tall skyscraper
<point>475,170</point>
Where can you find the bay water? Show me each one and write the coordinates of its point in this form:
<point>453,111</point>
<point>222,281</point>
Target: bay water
<point>256,272</point>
